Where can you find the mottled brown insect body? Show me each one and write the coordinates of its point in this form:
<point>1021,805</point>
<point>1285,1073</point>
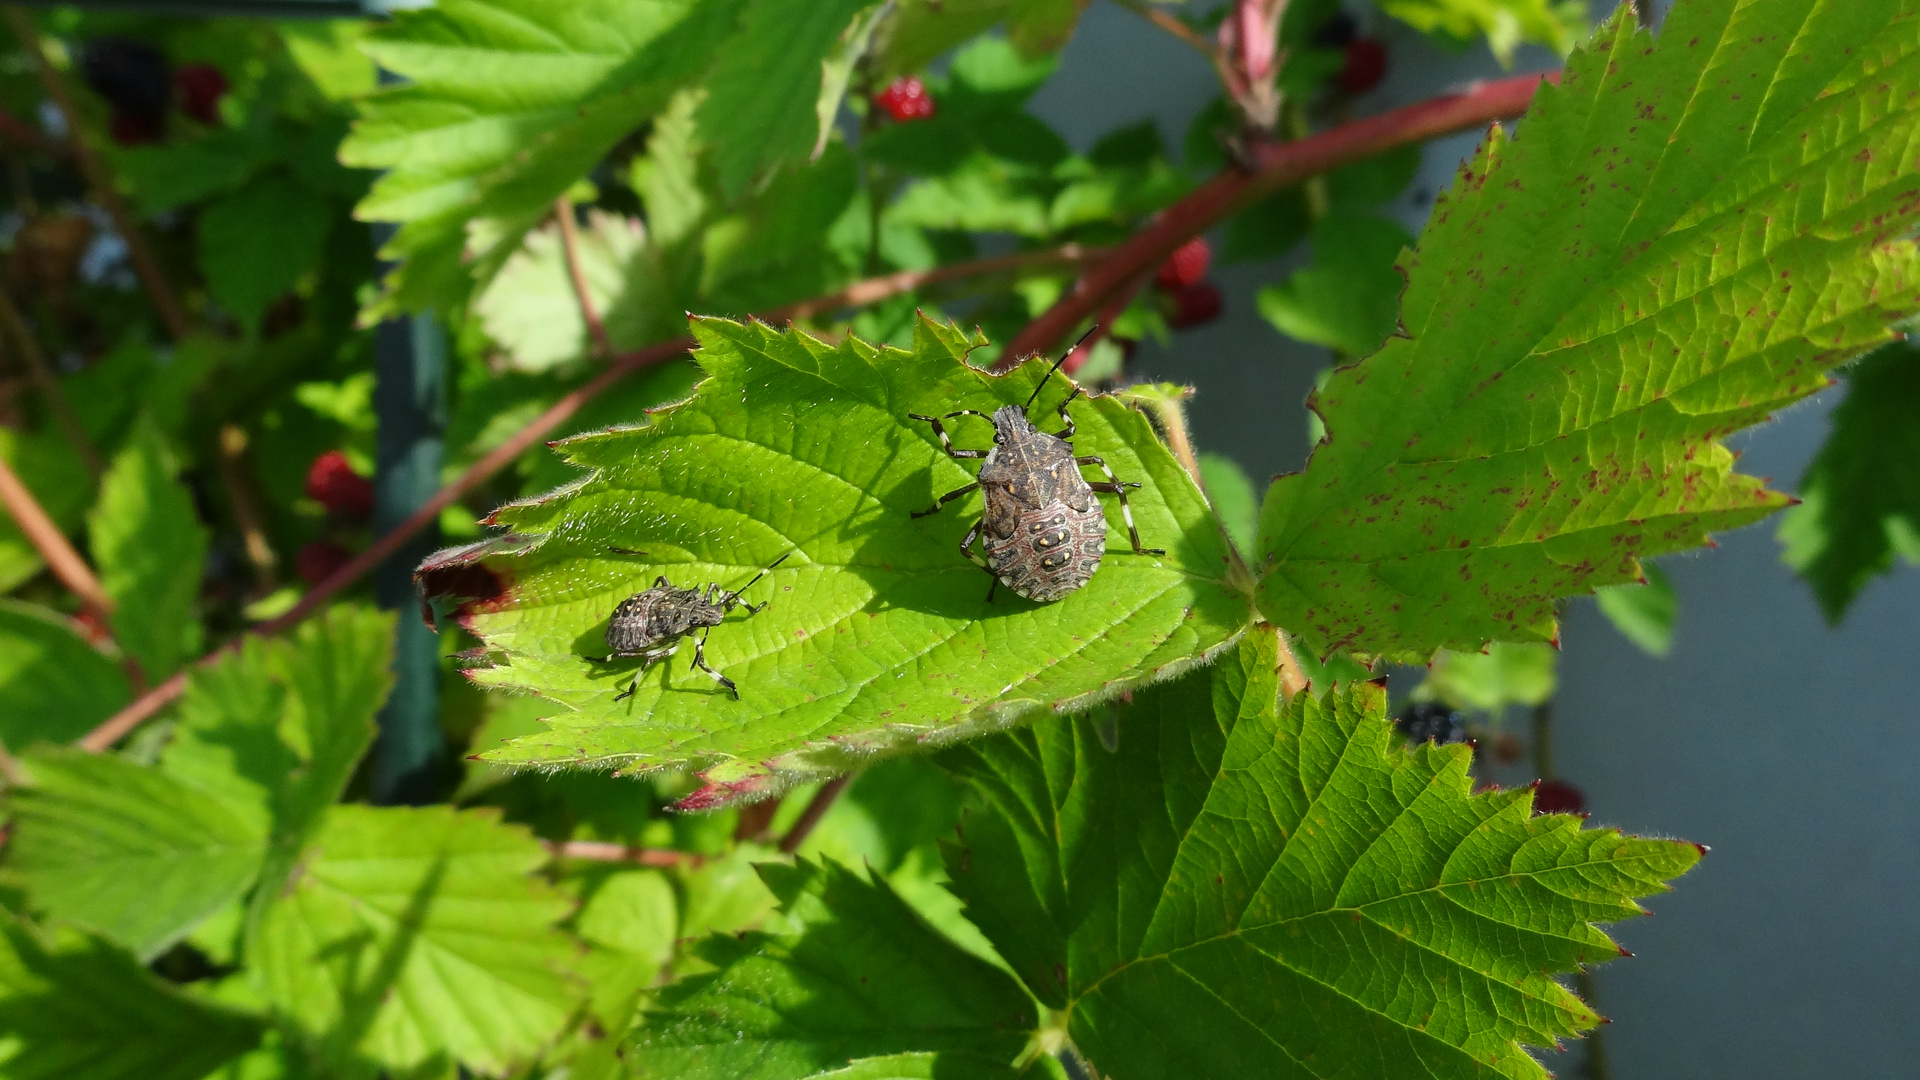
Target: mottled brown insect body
<point>650,624</point>
<point>1045,532</point>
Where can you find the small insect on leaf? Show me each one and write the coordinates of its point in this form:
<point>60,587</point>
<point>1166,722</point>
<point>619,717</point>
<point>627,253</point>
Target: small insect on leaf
<point>650,624</point>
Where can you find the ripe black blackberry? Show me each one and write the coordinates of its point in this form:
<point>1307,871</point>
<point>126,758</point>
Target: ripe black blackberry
<point>133,76</point>
<point>1424,720</point>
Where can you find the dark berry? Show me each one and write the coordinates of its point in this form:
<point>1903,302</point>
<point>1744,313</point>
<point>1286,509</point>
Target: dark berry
<point>317,561</point>
<point>128,129</point>
<point>1424,721</point>
<point>1558,797</point>
<point>1336,32</point>
<point>332,481</point>
<point>201,88</point>
<point>1186,266</point>
<point>1366,65</point>
<point>905,99</point>
<point>132,75</point>
<point>1196,304</point>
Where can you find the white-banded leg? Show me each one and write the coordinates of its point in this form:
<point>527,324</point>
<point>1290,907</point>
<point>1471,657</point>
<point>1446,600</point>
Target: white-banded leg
<point>1068,420</point>
<point>944,500</point>
<point>1115,486</point>
<point>946,443</point>
<point>700,661</point>
<point>966,549</point>
<point>646,658</point>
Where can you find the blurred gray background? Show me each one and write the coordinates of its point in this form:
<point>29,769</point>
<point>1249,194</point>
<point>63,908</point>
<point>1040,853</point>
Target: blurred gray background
<point>1787,747</point>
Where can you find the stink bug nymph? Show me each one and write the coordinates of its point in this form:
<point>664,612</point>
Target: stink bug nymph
<point>650,624</point>
<point>1045,531</point>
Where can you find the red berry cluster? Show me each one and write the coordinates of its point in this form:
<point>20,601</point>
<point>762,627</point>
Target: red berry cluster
<point>1558,797</point>
<point>201,87</point>
<point>1182,278</point>
<point>905,99</point>
<point>333,483</point>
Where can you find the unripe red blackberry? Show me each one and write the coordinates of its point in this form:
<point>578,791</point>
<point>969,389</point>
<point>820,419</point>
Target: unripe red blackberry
<point>201,88</point>
<point>332,481</point>
<point>1366,65</point>
<point>1558,797</point>
<point>1185,267</point>
<point>905,99</point>
<point>317,561</point>
<point>1196,304</point>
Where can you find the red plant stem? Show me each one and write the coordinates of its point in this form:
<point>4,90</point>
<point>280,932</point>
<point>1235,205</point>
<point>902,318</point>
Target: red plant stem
<point>1276,165</point>
<point>601,344</point>
<point>817,808</point>
<point>52,544</point>
<point>603,851</point>
<point>1116,267</point>
<point>145,266</point>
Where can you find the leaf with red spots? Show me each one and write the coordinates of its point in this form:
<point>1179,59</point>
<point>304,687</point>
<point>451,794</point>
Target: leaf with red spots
<point>877,634</point>
<point>1213,884</point>
<point>1683,237</point>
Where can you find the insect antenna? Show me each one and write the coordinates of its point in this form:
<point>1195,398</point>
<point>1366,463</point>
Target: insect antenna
<point>1056,366</point>
<point>735,594</point>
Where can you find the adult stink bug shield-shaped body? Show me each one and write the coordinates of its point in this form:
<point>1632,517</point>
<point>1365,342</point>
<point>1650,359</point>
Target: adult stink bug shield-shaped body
<point>651,624</point>
<point>1045,531</point>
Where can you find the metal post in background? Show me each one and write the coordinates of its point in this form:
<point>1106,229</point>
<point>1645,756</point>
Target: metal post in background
<point>410,407</point>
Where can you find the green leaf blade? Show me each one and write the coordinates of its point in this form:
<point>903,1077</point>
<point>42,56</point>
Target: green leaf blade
<point>1550,420</point>
<point>150,547</point>
<point>1304,900</point>
<point>878,632</point>
<point>79,1009</point>
<point>54,686</point>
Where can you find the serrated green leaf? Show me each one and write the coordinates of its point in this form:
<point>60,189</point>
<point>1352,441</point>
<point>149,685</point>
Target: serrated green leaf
<point>532,312</point>
<point>149,547</point>
<point>1507,673</point>
<point>1506,24</point>
<point>922,31</point>
<point>761,95</point>
<point>932,1066</point>
<point>837,69</point>
<point>510,102</point>
<point>1293,897</point>
<point>410,935</point>
<point>124,849</point>
<point>859,975</point>
<point>878,632</point>
<point>84,1010</point>
<point>54,686</point>
<point>1349,297</point>
<point>258,242</point>
<point>1577,346</point>
<point>1861,495</point>
<point>1644,613</point>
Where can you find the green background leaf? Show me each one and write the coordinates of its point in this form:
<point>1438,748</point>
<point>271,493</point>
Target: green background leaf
<point>79,1009</point>
<point>1219,886</point>
<point>859,975</point>
<point>149,547</point>
<point>257,243</point>
<point>1861,495</point>
<point>1578,347</point>
<point>1349,298</point>
<point>878,632</point>
<point>1643,613</point>
<point>54,686</point>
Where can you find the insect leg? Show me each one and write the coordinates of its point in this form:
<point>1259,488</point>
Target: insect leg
<point>944,500</point>
<point>1114,486</point>
<point>700,661</point>
<point>1071,427</point>
<point>966,549</point>
<point>647,657</point>
<point>946,443</point>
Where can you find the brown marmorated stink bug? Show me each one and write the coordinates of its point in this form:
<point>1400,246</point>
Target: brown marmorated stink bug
<point>650,624</point>
<point>1045,531</point>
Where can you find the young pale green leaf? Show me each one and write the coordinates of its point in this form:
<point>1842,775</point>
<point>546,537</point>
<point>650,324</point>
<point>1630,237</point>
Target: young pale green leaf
<point>411,935</point>
<point>149,546</point>
<point>762,95</point>
<point>256,243</point>
<point>509,103</point>
<point>1643,613</point>
<point>1506,24</point>
<point>1349,298</point>
<point>125,850</point>
<point>1505,674</point>
<point>1654,262</point>
<point>54,687</point>
<point>531,311</point>
<point>859,975</point>
<point>80,1009</point>
<point>878,633</point>
<point>1861,496</point>
<point>1219,886</point>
